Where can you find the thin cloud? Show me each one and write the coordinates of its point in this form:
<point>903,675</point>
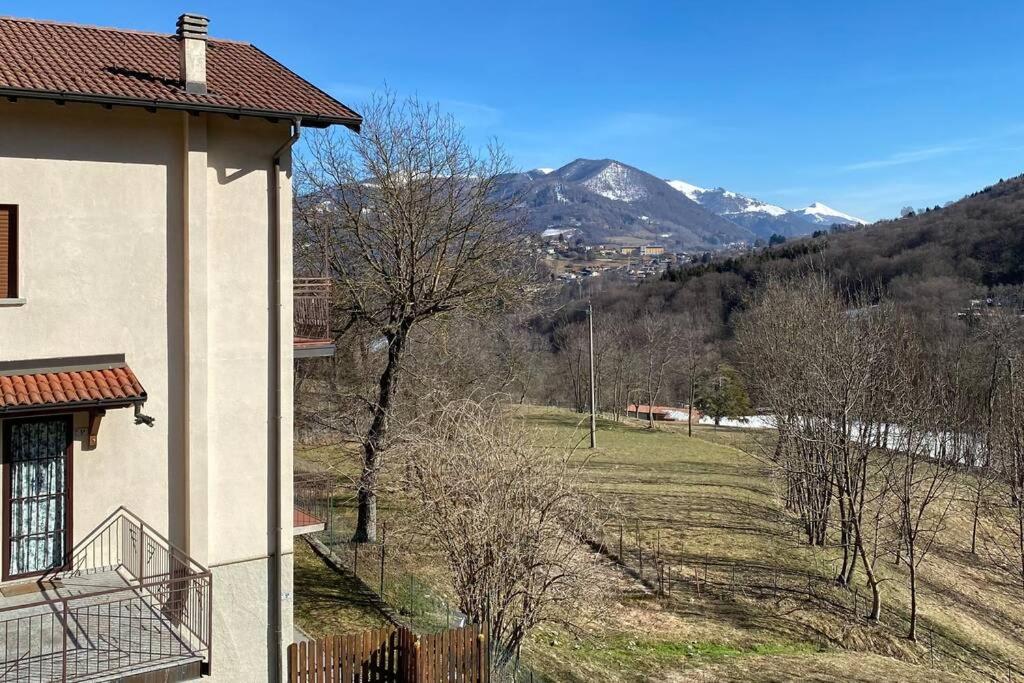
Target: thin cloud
<point>638,124</point>
<point>471,114</point>
<point>911,156</point>
<point>351,91</point>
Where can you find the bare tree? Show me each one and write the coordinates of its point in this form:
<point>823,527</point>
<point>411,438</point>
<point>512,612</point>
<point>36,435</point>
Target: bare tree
<point>924,453</point>
<point>520,358</point>
<point>658,335</point>
<point>571,346</point>
<point>509,517</point>
<point>695,357</point>
<point>1005,533</point>
<point>619,370</point>
<point>406,216</point>
<point>823,366</point>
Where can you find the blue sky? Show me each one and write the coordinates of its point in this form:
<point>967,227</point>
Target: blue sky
<point>864,105</point>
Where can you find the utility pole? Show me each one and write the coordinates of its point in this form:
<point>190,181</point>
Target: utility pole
<point>593,389</point>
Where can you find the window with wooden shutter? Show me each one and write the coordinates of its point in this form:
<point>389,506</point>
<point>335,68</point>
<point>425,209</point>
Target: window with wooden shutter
<point>8,252</point>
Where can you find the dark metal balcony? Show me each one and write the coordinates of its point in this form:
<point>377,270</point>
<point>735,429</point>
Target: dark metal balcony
<point>127,603</point>
<point>312,303</point>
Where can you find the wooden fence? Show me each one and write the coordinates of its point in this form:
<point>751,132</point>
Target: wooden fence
<point>393,656</point>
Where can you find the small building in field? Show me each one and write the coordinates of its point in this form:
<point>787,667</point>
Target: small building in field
<point>662,413</point>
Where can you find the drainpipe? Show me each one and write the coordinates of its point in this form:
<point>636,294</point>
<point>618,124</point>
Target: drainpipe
<point>277,410</point>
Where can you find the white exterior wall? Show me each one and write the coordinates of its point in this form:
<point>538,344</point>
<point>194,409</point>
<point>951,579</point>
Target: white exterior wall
<point>105,223</point>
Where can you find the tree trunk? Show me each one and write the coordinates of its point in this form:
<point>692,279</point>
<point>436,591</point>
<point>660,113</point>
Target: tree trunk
<point>912,634</point>
<point>689,414</point>
<point>876,593</point>
<point>366,519</point>
<point>844,540</point>
<point>977,512</point>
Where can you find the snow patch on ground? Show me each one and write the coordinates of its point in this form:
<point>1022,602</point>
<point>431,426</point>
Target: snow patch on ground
<point>555,232</point>
<point>748,422</point>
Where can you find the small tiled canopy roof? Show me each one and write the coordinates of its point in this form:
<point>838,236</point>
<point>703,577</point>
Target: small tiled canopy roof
<point>68,388</point>
<point>113,66</point>
<point>303,519</point>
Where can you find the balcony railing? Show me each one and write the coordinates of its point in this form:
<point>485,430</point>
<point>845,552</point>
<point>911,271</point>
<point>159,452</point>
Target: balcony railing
<point>312,302</point>
<point>126,602</point>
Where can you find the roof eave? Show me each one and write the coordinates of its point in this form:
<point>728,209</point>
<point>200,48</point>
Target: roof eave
<point>309,120</point>
<point>74,406</point>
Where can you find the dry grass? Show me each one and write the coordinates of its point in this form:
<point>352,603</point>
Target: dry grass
<point>716,504</point>
<point>713,503</point>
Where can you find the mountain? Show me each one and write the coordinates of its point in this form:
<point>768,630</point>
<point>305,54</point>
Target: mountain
<point>604,199</point>
<point>761,218</point>
<point>819,214</point>
<point>607,200</point>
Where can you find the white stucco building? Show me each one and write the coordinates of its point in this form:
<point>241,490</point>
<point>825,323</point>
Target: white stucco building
<point>146,351</point>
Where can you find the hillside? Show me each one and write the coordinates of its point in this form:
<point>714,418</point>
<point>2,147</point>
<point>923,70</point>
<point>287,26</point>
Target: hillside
<point>940,259</point>
<point>768,609</point>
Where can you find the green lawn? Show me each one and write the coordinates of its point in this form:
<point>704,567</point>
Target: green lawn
<point>325,602</point>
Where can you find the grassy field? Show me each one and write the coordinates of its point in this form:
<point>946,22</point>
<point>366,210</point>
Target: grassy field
<point>715,510</point>
<point>326,603</point>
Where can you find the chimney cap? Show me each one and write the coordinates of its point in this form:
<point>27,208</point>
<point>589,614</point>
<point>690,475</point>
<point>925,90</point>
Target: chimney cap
<point>193,26</point>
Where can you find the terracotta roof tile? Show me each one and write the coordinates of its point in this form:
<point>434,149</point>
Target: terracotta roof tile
<point>39,58</point>
<point>302,518</point>
<point>30,391</point>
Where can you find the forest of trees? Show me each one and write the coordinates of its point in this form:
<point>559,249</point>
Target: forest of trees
<point>937,259</point>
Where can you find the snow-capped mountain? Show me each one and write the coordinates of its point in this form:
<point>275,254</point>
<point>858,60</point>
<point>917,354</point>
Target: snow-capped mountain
<point>691,191</point>
<point>601,199</point>
<point>820,214</point>
<point>760,217</point>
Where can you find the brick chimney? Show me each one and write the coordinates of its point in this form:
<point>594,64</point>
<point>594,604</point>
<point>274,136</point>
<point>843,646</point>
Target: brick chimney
<point>192,33</point>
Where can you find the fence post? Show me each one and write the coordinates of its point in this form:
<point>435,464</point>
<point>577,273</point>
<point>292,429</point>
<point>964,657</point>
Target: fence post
<point>64,647</point>
<point>355,559</point>
<point>383,547</point>
<point>142,551</point>
<point>330,519</point>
